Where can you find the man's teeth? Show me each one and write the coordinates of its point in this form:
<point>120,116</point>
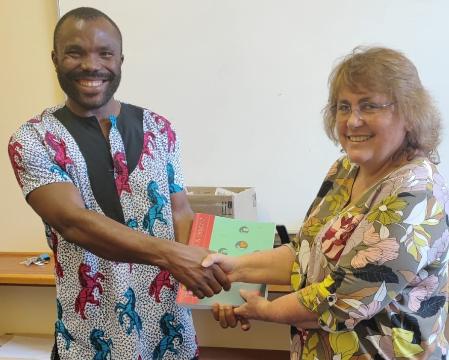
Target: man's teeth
<point>359,138</point>
<point>90,83</point>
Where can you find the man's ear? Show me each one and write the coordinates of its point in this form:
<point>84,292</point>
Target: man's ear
<point>54,58</point>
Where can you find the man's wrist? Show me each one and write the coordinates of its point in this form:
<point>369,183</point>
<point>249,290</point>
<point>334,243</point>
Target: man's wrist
<point>159,253</point>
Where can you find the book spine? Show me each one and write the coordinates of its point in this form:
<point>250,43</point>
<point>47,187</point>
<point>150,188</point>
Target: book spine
<point>201,232</point>
<point>200,235</point>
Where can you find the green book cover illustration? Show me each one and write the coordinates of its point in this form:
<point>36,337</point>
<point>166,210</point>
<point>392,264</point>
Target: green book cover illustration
<point>231,237</point>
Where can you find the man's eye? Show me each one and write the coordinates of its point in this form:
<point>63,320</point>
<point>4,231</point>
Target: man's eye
<point>73,53</point>
<point>106,54</point>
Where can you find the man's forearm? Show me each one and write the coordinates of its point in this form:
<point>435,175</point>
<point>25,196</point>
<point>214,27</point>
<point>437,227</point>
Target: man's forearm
<point>182,222</point>
<point>61,206</point>
<point>112,240</point>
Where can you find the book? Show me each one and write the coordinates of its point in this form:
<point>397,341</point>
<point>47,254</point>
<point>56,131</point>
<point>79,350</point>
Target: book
<point>231,237</point>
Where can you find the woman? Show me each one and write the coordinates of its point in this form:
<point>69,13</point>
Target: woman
<point>369,265</point>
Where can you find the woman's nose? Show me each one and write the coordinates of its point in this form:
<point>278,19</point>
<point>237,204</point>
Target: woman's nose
<point>354,119</point>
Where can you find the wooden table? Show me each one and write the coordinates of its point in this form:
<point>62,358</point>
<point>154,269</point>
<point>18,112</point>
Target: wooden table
<point>14,273</point>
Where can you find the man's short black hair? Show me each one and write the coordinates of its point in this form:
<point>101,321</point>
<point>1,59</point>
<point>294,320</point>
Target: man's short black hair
<point>84,13</point>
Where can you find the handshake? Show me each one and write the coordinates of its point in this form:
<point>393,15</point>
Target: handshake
<point>217,271</point>
<point>228,315</point>
<point>243,253</point>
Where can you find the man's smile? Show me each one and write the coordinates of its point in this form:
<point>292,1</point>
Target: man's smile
<point>90,83</point>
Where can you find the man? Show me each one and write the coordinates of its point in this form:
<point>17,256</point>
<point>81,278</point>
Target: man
<point>95,170</point>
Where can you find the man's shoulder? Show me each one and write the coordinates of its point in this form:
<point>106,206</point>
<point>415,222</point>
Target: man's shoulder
<point>132,109</point>
<point>140,112</point>
<point>153,120</point>
<point>38,121</point>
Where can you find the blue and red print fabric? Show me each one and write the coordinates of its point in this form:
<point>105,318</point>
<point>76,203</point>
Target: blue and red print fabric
<point>107,309</point>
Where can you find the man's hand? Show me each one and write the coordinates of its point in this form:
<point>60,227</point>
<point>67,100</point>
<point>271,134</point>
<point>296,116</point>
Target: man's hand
<point>184,262</point>
<point>185,265</point>
<point>226,316</point>
<point>255,307</point>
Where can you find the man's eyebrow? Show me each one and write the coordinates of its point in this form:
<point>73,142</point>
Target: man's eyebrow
<point>106,48</point>
<point>72,47</point>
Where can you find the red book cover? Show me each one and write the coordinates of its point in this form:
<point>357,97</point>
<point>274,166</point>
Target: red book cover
<point>200,235</point>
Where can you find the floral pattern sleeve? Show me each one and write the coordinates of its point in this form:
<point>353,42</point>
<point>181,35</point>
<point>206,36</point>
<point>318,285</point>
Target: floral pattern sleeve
<point>302,242</point>
<point>378,270</point>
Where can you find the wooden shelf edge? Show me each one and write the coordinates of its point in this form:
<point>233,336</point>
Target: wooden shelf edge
<point>279,288</point>
<point>30,279</point>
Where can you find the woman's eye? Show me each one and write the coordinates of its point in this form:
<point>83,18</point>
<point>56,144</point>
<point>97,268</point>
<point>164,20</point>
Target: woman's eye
<point>344,108</point>
<point>367,107</point>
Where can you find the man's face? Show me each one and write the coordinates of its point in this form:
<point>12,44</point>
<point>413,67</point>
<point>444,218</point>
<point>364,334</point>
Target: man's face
<point>88,59</point>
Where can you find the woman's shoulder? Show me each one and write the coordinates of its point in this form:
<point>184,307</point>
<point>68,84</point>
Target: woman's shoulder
<point>341,168</point>
<point>417,175</point>
<point>419,168</point>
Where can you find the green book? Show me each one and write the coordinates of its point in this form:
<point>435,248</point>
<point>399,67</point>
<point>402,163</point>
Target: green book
<point>231,237</point>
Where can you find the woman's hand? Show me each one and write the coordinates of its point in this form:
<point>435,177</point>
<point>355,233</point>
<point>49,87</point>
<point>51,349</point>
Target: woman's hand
<point>225,315</point>
<point>256,307</point>
<point>226,263</point>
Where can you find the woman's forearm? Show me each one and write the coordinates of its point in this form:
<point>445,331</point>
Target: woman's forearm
<point>267,267</point>
<point>288,310</point>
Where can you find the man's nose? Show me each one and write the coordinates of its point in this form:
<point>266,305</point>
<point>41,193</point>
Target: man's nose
<point>90,63</point>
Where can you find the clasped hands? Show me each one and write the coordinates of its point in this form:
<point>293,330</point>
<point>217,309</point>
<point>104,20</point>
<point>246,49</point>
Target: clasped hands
<point>206,274</point>
<point>254,307</point>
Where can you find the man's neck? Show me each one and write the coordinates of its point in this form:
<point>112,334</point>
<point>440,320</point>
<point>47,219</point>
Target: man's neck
<point>111,108</point>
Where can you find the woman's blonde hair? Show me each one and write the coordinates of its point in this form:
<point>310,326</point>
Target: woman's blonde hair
<point>389,72</point>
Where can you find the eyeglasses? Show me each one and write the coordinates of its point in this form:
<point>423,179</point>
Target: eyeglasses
<point>364,111</point>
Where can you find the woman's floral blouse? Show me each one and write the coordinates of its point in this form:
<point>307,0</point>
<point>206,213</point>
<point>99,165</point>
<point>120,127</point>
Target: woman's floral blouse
<point>375,271</point>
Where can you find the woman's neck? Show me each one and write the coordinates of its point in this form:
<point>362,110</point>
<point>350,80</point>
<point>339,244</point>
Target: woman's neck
<point>368,177</point>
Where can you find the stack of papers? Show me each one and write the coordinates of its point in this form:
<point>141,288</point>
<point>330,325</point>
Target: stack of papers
<point>27,347</point>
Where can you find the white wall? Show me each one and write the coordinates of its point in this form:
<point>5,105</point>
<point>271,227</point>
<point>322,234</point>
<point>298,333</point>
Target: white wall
<point>245,80</point>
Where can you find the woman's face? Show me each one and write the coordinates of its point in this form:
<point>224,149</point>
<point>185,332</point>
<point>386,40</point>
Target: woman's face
<point>369,129</point>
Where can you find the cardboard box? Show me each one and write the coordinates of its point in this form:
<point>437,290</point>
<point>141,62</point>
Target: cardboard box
<point>233,202</point>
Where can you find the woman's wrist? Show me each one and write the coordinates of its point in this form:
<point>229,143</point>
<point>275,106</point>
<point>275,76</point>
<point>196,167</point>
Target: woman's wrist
<point>267,311</point>
<point>237,269</point>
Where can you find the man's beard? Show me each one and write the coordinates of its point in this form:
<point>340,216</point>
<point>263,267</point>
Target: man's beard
<point>67,83</point>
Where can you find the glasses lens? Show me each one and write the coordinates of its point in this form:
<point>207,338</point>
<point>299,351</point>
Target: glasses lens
<point>369,108</point>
